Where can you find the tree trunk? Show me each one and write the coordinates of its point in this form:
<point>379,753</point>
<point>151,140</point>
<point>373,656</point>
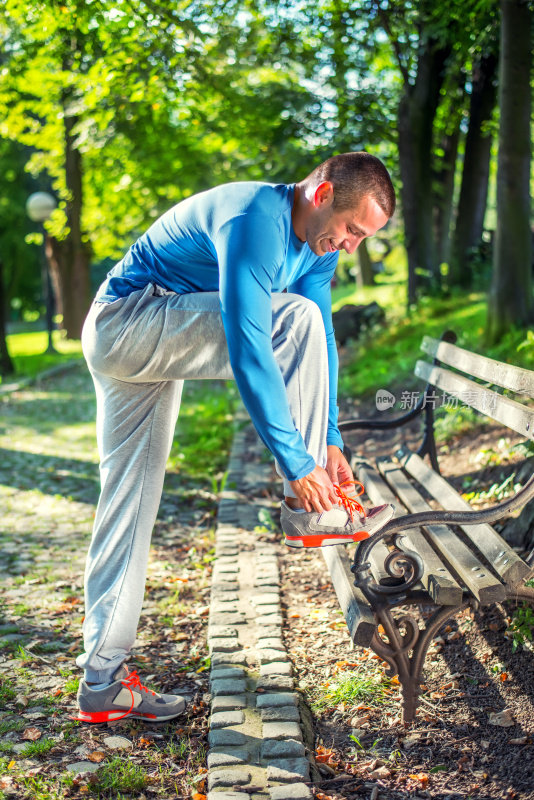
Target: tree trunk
<point>365,275</point>
<point>444,194</point>
<point>6,364</point>
<point>75,260</point>
<point>417,110</point>
<point>475,175</point>
<point>510,299</point>
<point>445,160</point>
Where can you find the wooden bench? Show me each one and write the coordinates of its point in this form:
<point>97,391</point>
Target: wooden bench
<point>448,558</point>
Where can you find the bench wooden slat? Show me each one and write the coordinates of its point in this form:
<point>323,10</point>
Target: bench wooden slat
<point>488,369</point>
<point>436,579</point>
<point>510,413</point>
<point>498,553</point>
<point>476,576</point>
<point>358,614</point>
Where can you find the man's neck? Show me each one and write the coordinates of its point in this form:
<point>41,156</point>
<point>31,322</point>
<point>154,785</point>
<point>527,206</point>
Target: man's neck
<point>298,212</point>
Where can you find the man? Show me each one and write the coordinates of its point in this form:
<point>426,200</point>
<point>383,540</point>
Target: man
<point>201,295</point>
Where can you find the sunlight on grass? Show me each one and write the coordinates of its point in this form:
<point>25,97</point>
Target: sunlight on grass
<point>205,429</point>
<point>389,290</point>
<point>352,688</point>
<point>27,351</point>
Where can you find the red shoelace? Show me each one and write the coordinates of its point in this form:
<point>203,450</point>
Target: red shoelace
<point>349,503</point>
<point>133,681</point>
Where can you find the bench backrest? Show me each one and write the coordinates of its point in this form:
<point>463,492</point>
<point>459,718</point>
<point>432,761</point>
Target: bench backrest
<point>509,412</point>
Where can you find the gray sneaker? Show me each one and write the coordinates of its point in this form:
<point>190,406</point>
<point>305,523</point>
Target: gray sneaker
<point>321,529</point>
<point>126,697</point>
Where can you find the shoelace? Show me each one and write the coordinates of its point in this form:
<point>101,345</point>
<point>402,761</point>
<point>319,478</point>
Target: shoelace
<point>350,504</point>
<point>133,681</point>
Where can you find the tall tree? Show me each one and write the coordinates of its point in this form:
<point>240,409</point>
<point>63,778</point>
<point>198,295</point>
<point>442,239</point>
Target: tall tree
<point>472,202</point>
<point>510,300</point>
<point>447,137</point>
<point>432,44</point>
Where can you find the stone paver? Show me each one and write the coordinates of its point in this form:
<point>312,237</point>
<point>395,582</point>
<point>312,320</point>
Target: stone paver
<point>255,733</point>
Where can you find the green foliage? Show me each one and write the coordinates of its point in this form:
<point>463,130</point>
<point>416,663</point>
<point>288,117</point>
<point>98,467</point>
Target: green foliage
<point>21,264</point>
<point>158,101</point>
<point>6,694</point>
<point>118,775</point>
<point>39,748</point>
<point>527,342</point>
<point>205,431</point>
<point>522,626</point>
<point>352,688</point>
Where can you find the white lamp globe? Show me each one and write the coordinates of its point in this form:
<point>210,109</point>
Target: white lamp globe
<point>39,206</point>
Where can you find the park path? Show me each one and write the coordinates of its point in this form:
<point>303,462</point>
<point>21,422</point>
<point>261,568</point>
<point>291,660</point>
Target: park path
<point>48,492</point>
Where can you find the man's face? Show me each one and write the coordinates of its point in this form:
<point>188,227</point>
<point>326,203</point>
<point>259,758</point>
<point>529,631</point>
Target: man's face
<point>328,230</point>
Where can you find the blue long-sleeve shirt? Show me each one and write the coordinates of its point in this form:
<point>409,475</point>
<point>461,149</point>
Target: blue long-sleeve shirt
<point>238,239</point>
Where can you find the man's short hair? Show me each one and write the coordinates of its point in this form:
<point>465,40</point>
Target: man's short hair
<point>355,176</point>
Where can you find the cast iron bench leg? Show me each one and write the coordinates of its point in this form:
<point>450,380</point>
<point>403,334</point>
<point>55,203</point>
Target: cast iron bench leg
<point>396,650</point>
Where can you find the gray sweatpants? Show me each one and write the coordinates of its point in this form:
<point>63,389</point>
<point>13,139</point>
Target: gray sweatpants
<point>139,350</point>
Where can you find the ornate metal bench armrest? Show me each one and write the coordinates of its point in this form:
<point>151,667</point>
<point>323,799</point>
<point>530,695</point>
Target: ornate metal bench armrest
<point>408,565</point>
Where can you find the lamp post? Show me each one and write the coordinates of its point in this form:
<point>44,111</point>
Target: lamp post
<point>39,208</point>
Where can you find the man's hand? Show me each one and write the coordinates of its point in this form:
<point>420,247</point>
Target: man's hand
<point>337,466</point>
<point>315,491</point>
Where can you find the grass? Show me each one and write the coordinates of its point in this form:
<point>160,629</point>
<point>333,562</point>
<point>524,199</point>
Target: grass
<point>205,431</point>
<point>119,776</point>
<point>6,694</point>
<point>27,351</point>
<point>352,688</point>
<point>38,748</point>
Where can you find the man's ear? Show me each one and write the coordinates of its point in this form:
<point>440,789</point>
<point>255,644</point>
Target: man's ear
<point>324,194</point>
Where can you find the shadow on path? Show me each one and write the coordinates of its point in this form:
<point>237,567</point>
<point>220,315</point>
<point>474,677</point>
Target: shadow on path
<point>71,478</point>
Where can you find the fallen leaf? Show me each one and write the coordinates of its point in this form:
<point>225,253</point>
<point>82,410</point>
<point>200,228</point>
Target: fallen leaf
<point>198,796</point>
<point>12,764</point>
<point>502,718</point>
<point>96,756</point>
<point>422,777</point>
<point>504,676</point>
<point>142,742</point>
<point>32,734</point>
<point>380,773</point>
<point>323,754</point>
<point>22,700</point>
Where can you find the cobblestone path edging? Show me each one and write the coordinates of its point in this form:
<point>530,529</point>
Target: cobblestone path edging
<point>257,749</point>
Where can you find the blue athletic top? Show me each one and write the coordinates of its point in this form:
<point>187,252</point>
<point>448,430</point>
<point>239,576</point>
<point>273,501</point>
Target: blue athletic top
<point>238,239</point>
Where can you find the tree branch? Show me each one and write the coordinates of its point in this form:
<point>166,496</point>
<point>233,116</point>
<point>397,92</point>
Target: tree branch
<point>394,43</point>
